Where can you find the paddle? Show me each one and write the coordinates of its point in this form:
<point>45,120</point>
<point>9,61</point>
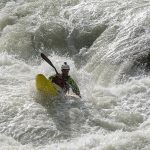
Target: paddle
<point>49,62</point>
<point>42,55</point>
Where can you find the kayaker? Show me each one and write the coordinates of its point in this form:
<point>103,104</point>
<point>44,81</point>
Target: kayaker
<point>65,81</point>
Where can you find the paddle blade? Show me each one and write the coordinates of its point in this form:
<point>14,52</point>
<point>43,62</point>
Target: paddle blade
<point>48,61</point>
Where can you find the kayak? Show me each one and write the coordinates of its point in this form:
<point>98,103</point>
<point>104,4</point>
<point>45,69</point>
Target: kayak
<point>46,86</point>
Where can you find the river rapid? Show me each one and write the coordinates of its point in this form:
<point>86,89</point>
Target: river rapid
<point>107,45</point>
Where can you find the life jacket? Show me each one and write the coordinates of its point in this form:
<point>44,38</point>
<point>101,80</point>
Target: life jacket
<point>61,82</point>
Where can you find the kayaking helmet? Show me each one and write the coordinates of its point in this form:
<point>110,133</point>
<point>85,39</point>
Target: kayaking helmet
<point>65,66</point>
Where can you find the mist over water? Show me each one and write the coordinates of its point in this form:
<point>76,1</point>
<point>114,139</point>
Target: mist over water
<point>107,45</point>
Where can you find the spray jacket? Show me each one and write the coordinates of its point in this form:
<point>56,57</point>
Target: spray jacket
<point>65,83</point>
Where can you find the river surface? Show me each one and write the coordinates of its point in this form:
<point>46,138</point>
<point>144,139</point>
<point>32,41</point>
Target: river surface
<point>107,45</point>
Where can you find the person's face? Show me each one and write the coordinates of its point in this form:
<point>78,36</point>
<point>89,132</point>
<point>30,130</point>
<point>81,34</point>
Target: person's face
<point>65,72</point>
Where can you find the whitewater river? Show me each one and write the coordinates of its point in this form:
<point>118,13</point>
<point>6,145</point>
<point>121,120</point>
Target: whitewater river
<point>107,45</point>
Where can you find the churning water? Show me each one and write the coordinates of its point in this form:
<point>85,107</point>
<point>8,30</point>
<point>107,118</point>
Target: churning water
<point>107,45</point>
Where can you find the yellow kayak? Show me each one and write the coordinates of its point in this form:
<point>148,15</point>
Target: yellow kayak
<point>46,86</point>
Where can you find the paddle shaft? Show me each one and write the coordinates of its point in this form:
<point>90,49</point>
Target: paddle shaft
<point>49,62</point>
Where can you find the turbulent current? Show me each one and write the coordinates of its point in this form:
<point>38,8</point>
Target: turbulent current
<point>107,45</point>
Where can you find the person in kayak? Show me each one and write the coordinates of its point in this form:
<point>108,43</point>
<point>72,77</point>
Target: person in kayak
<point>65,81</point>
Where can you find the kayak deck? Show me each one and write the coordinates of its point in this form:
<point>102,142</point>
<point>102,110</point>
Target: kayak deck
<point>46,86</point>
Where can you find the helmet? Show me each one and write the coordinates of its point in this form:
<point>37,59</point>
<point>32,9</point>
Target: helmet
<point>65,66</point>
